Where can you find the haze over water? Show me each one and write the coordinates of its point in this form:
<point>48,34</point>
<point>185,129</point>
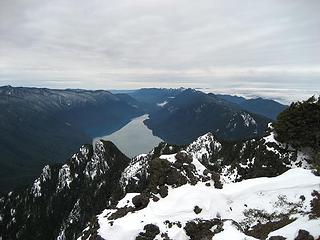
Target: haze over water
<point>134,138</point>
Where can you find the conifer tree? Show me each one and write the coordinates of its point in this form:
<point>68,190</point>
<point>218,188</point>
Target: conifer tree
<point>299,125</point>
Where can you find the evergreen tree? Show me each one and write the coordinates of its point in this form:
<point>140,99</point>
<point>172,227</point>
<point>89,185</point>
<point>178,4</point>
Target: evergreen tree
<point>299,125</point>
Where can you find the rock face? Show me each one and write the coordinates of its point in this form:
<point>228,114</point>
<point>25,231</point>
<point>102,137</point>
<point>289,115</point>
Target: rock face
<point>203,190</point>
<point>304,235</point>
<point>65,197</point>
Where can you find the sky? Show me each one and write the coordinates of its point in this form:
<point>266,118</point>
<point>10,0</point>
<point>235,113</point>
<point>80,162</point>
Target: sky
<point>267,48</point>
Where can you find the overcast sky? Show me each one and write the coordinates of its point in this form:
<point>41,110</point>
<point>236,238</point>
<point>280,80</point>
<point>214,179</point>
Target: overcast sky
<point>268,48</point>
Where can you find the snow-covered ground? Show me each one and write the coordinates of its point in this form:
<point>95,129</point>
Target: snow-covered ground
<point>236,211</point>
<point>276,195</point>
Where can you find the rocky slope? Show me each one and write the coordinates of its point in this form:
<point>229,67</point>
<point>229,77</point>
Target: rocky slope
<point>65,197</point>
<point>209,189</point>
<point>204,191</point>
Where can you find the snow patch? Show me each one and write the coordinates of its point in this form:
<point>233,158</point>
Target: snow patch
<point>248,120</point>
<point>127,200</point>
<point>231,232</point>
<point>162,104</point>
<point>64,177</point>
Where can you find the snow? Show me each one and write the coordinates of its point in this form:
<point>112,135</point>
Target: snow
<point>36,188</point>
<point>162,104</point>
<point>136,166</point>
<point>84,151</point>
<point>205,145</point>
<point>45,175</point>
<point>127,200</point>
<point>270,138</point>
<point>170,157</point>
<point>248,120</point>
<point>96,165</point>
<point>232,233</point>
<point>230,203</point>
<point>291,230</point>
<point>302,157</point>
<point>228,175</point>
<point>61,236</point>
<point>199,167</point>
<point>64,177</point>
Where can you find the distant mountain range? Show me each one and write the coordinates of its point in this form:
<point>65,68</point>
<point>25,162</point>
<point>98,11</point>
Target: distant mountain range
<point>40,126</point>
<point>265,107</point>
<point>192,113</point>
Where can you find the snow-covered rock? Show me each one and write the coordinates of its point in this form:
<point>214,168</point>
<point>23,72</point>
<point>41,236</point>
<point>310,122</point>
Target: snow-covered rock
<point>248,203</point>
<point>209,189</point>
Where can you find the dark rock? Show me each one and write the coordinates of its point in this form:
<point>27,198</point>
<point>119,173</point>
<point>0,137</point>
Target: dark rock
<point>183,157</point>
<point>140,201</point>
<point>216,178</point>
<point>201,229</point>
<point>155,198</point>
<point>277,238</point>
<point>205,179</point>
<point>163,191</point>
<point>304,235</point>
<point>205,172</point>
<point>315,205</point>
<point>165,236</point>
<point>99,238</point>
<point>197,209</point>
<point>167,222</point>
<point>193,181</point>
<point>121,212</point>
<point>172,177</point>
<point>178,164</point>
<point>151,229</point>
<point>150,232</point>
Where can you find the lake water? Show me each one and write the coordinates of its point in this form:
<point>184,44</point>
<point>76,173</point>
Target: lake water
<point>134,138</point>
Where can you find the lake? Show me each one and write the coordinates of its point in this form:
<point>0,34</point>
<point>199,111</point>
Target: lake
<point>134,138</point>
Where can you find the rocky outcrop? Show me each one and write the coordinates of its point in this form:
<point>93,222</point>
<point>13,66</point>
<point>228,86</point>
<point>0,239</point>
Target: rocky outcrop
<point>63,200</point>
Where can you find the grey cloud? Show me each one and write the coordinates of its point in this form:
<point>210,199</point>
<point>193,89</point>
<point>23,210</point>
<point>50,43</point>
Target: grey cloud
<point>231,44</point>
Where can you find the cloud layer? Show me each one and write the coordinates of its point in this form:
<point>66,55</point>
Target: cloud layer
<point>229,45</point>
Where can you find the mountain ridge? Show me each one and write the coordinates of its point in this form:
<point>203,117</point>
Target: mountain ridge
<point>193,113</point>
<point>86,178</point>
<point>40,125</point>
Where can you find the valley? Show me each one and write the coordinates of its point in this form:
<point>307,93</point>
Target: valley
<point>159,120</point>
<point>42,126</point>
